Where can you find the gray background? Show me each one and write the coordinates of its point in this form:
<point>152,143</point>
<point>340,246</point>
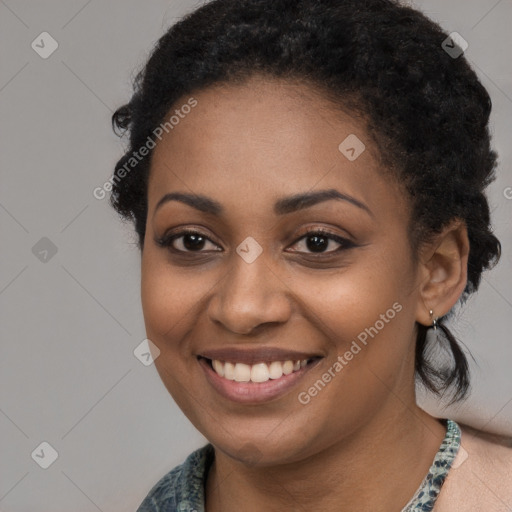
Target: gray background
<point>69,325</point>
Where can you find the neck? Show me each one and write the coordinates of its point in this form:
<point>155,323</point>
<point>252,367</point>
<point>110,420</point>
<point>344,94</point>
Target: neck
<point>378,468</point>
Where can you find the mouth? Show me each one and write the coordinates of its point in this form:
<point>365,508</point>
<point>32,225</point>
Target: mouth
<point>259,372</point>
<point>257,382</point>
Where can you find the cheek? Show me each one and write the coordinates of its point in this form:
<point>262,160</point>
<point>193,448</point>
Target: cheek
<point>168,297</point>
<point>352,301</point>
<point>366,318</point>
<point>367,313</point>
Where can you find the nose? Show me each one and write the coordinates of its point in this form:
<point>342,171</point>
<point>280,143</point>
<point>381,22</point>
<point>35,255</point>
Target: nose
<point>249,296</point>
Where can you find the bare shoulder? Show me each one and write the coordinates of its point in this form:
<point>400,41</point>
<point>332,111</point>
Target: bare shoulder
<point>481,475</point>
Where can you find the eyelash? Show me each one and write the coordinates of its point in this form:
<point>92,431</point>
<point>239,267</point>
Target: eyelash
<point>167,240</point>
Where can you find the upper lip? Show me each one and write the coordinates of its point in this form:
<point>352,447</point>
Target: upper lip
<point>256,355</point>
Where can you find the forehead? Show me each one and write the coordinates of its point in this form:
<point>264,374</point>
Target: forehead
<point>269,136</point>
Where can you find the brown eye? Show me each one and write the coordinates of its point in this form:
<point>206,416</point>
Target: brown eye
<point>192,242</point>
<point>319,241</point>
<point>187,241</point>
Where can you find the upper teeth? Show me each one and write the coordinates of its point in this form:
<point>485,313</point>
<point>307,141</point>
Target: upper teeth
<point>259,372</point>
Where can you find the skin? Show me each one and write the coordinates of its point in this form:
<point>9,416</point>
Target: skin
<point>362,441</point>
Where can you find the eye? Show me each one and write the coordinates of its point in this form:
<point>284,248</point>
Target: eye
<point>316,242</point>
<point>186,241</point>
<point>319,240</point>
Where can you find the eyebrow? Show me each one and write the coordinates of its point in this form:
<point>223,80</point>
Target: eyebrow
<point>281,207</point>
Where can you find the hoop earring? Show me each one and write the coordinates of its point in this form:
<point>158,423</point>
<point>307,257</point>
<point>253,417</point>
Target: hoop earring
<point>434,320</point>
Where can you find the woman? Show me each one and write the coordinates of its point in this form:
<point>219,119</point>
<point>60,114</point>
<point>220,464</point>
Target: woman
<point>306,179</point>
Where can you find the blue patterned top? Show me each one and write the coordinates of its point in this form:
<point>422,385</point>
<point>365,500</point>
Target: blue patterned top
<point>182,489</point>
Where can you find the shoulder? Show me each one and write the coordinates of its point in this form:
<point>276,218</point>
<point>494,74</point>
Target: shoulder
<point>480,478</point>
<point>182,485</point>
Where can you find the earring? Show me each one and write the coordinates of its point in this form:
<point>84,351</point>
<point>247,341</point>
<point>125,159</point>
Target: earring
<point>434,320</point>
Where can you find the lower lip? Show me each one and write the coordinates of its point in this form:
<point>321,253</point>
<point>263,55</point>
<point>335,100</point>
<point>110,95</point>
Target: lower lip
<point>253,392</point>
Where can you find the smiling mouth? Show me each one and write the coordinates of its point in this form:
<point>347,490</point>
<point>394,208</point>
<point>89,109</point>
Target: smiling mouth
<point>258,372</point>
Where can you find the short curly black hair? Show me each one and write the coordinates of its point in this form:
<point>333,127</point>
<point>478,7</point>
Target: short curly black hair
<point>425,109</point>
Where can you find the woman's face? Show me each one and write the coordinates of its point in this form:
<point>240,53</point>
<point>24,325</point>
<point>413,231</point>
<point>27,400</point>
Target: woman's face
<point>262,286</point>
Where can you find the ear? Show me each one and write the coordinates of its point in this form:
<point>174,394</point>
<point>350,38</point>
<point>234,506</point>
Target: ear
<point>443,271</point>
